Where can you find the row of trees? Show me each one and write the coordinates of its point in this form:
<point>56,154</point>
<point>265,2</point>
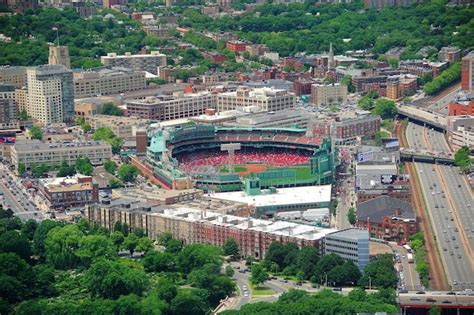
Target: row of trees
<point>83,166</point>
<point>445,79</point>
<point>417,242</point>
<point>107,135</point>
<point>52,267</point>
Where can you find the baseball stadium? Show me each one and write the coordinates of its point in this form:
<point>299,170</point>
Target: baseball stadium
<point>221,159</point>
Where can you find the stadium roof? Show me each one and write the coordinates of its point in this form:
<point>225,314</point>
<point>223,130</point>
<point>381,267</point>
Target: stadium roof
<point>261,129</point>
<point>283,196</point>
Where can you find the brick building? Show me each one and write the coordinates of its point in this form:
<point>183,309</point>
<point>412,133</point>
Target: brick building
<point>236,45</point>
<point>254,236</point>
<point>467,73</point>
<point>463,105</point>
<point>387,218</point>
<point>302,87</point>
<point>65,192</point>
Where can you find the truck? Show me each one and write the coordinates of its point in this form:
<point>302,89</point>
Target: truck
<point>407,247</point>
<point>410,258</point>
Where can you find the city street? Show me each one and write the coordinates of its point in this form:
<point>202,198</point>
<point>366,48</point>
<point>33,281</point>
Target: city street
<point>17,198</point>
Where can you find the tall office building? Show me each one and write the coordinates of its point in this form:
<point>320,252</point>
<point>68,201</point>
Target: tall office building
<point>50,91</point>
<point>467,73</point>
<point>59,55</point>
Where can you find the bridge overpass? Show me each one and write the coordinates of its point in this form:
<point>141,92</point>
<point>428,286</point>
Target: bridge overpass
<point>426,156</point>
<point>419,115</point>
<point>459,303</point>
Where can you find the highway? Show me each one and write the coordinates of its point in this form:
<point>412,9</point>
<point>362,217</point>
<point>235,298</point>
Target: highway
<point>447,206</point>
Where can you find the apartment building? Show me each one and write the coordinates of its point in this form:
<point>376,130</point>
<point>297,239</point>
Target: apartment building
<point>169,107</point>
<point>322,94</point>
<point>463,105</point>
<point>66,192</point>
<point>13,75</point>
<point>350,244</point>
<point>123,127</point>
<point>236,45</point>
<point>8,112</point>
<point>254,236</point>
<point>467,73</point>
<point>267,99</point>
<point>7,91</point>
<point>257,49</point>
<point>460,130</point>
<point>140,62</point>
<point>33,152</point>
<point>107,81</point>
<point>447,54</point>
<point>50,94</point>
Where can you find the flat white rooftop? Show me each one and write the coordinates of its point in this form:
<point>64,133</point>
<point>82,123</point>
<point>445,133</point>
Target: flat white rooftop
<point>283,196</point>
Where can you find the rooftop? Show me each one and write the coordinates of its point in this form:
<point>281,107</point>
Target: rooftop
<point>378,208</point>
<point>351,233</point>
<point>283,196</point>
<point>36,145</point>
<point>62,184</point>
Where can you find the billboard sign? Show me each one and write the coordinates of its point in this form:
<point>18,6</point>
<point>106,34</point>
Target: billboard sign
<point>365,156</point>
<point>391,143</point>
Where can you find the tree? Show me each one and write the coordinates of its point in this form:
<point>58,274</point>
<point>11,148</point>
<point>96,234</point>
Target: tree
<point>197,255</point>
<point>130,243</point>
<point>117,238</point>
<point>111,109</point>
<point>115,183</point>
<point>381,272</point>
<point>462,158</point>
<point>14,242</point>
<point>445,79</point>
<point>167,291</point>
<point>307,260</point>
<point>351,216</point>
<point>144,245</point>
<point>36,133</point>
<point>110,167</point>
<point>84,166</point>
<point>325,265</point>
<point>61,245</point>
<point>385,108</point>
<point>66,170</point>
<point>16,278</point>
<point>28,229</point>
<point>110,279</point>
<point>107,135</point>
<point>259,275</point>
<point>23,115</point>
<point>231,248</point>
<point>21,169</point>
<point>229,271</point>
<point>92,247</point>
<point>347,80</point>
<point>40,235</point>
<point>366,103</point>
<point>128,173</point>
<point>158,262</point>
<point>190,303</point>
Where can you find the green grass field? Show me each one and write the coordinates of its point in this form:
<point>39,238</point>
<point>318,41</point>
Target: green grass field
<point>302,172</point>
<point>256,291</point>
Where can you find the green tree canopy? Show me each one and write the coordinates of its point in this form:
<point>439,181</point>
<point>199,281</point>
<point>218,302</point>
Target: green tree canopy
<point>351,216</point>
<point>110,167</point>
<point>231,248</point>
<point>111,109</point>
<point>385,108</point>
<point>111,279</point>
<point>61,244</point>
<point>84,166</point>
<point>259,275</point>
<point>36,133</point>
<point>107,135</point>
<point>128,172</point>
<point>462,158</point>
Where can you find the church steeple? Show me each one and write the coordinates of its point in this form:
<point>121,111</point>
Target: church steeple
<point>331,57</point>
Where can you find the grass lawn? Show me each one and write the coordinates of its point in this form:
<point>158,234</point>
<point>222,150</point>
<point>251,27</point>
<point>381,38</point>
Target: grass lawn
<point>237,168</point>
<point>256,291</point>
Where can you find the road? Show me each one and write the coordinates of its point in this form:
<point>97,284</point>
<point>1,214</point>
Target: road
<point>411,279</point>
<point>446,208</point>
<point>16,196</point>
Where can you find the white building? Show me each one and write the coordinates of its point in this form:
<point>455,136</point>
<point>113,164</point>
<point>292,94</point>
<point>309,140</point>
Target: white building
<point>322,94</point>
<point>268,99</point>
<point>50,94</point>
<point>140,62</point>
<point>33,152</point>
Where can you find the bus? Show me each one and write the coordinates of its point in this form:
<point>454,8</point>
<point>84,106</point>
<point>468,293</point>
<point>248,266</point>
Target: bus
<point>407,247</point>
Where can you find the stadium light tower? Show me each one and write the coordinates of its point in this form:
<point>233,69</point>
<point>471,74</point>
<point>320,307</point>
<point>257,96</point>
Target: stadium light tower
<point>230,148</point>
